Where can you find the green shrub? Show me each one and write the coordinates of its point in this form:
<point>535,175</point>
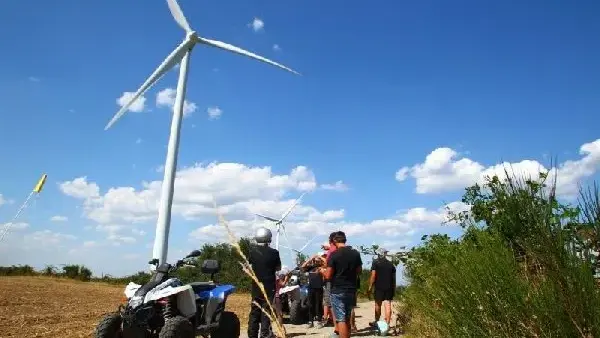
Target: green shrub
<point>520,269</point>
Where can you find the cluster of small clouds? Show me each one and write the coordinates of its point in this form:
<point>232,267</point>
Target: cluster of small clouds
<point>165,98</point>
<point>123,214</point>
<point>258,25</point>
<point>445,170</point>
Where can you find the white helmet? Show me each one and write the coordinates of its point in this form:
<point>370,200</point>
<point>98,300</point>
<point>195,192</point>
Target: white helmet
<point>263,235</point>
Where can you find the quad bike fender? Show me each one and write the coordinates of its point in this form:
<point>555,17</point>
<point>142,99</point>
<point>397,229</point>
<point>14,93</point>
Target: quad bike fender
<point>288,289</point>
<point>130,289</point>
<point>186,299</point>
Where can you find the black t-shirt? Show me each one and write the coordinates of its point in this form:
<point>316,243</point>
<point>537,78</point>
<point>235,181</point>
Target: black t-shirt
<point>264,260</point>
<point>385,274</point>
<point>315,279</point>
<point>345,262</point>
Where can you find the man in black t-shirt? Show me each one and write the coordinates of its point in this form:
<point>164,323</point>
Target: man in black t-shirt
<point>265,262</point>
<point>383,278</point>
<point>343,267</point>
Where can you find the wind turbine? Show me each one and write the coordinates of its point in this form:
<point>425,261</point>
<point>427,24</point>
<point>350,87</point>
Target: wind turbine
<point>301,250</point>
<point>181,54</point>
<point>279,222</point>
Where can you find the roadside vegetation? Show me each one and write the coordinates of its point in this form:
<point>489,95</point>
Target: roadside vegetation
<point>525,266</point>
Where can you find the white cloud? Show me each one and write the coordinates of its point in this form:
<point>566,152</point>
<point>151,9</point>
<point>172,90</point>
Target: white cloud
<point>137,106</point>
<point>240,191</point>
<point>80,188</point>
<point>48,238</point>
<point>257,24</point>
<point>59,218</point>
<point>13,226</point>
<point>2,200</point>
<point>214,112</point>
<point>34,79</point>
<point>166,98</point>
<point>444,170</point>
<point>276,48</point>
<point>337,186</point>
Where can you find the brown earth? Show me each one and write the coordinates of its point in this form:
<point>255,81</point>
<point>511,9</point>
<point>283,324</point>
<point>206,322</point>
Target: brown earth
<point>52,307</point>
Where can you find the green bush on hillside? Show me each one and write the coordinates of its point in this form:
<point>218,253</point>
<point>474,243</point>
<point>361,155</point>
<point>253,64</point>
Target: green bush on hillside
<point>523,267</point>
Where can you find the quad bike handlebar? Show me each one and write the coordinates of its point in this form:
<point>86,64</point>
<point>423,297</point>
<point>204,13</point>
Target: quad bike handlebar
<point>186,261</point>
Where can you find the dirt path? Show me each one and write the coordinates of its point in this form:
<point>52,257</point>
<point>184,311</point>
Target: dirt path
<point>364,314</point>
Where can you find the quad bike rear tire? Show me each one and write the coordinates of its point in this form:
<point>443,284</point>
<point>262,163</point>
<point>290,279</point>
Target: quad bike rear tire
<point>177,327</point>
<point>296,312</point>
<point>109,326</point>
<point>229,326</point>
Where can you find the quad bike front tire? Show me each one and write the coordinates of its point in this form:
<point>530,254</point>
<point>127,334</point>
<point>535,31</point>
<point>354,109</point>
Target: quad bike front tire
<point>177,327</point>
<point>296,312</point>
<point>229,326</point>
<point>109,326</point>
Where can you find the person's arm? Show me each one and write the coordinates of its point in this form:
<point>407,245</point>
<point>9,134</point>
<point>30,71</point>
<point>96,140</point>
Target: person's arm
<point>359,263</point>
<point>394,280</point>
<point>373,275</point>
<point>277,262</point>
<point>329,268</point>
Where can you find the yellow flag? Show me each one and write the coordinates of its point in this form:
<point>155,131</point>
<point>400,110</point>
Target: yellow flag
<point>40,184</point>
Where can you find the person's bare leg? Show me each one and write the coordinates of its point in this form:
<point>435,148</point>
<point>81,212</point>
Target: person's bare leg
<point>377,310</point>
<point>343,329</point>
<point>388,311</point>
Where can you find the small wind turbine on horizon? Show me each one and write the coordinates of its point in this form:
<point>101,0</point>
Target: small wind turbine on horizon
<point>279,222</point>
<point>180,55</point>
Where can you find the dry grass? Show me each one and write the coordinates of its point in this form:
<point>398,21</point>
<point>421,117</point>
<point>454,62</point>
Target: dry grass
<point>52,307</point>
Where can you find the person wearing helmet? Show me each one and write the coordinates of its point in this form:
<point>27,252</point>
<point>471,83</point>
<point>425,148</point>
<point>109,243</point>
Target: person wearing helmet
<point>383,278</point>
<point>265,263</point>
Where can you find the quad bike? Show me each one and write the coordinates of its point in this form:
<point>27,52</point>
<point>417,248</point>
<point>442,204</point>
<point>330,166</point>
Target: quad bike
<point>294,297</point>
<point>166,308</point>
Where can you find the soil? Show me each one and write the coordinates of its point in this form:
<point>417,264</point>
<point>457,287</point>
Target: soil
<point>55,307</point>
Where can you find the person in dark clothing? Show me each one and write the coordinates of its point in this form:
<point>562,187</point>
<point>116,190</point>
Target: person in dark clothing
<point>383,278</point>
<point>315,289</point>
<point>343,268</point>
<point>265,262</point>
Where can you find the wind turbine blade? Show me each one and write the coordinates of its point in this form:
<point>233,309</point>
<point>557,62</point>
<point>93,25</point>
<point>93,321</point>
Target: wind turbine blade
<point>178,15</point>
<point>169,62</point>
<point>288,211</point>
<point>267,218</point>
<point>308,243</point>
<point>238,50</point>
<point>287,247</point>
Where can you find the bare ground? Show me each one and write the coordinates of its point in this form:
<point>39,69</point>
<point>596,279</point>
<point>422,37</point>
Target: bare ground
<point>53,307</point>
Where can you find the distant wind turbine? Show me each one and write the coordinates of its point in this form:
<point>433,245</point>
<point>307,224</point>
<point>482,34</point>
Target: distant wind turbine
<point>181,54</point>
<point>279,222</point>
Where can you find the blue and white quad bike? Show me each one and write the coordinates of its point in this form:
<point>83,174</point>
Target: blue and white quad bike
<point>294,297</point>
<point>166,308</point>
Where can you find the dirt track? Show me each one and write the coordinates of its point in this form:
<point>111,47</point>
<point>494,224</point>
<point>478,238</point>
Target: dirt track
<point>53,308</point>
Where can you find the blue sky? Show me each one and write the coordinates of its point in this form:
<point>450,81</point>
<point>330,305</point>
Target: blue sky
<point>384,85</point>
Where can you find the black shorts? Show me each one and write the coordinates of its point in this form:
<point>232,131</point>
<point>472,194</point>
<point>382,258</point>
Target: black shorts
<point>381,295</point>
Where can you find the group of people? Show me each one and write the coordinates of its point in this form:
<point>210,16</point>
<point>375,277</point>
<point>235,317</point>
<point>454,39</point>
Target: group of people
<point>333,284</point>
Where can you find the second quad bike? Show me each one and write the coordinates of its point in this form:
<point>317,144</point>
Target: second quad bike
<point>294,297</point>
<point>164,307</point>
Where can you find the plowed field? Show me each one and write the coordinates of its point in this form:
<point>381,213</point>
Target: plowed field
<point>50,307</point>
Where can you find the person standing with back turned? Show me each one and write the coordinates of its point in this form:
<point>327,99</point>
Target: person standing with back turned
<point>383,277</point>
<point>265,262</point>
<point>343,267</point>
